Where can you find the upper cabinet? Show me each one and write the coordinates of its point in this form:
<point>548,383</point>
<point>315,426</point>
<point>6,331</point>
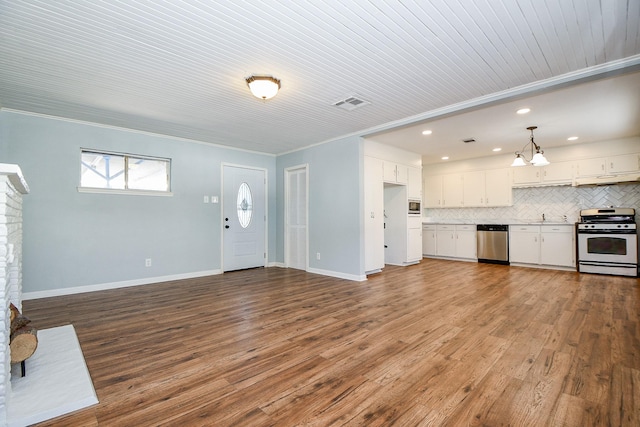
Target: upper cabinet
<point>611,165</point>
<point>498,191</point>
<point>487,188</point>
<point>557,173</point>
<point>395,173</point>
<point>452,191</point>
<point>414,183</point>
<point>432,191</point>
<point>470,189</point>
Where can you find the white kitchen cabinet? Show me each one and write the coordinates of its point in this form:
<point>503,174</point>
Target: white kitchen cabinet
<point>432,191</point>
<point>374,214</point>
<point>611,165</point>
<point>466,246</point>
<point>624,163</point>
<point>414,183</point>
<point>452,191</point>
<point>473,189</point>
<point>526,175</point>
<point>395,173</point>
<point>556,173</point>
<point>557,245</point>
<point>445,240</point>
<point>456,241</point>
<point>498,190</point>
<point>524,244</point>
<point>429,239</point>
<point>414,239</point>
<point>552,245</point>
<point>487,188</point>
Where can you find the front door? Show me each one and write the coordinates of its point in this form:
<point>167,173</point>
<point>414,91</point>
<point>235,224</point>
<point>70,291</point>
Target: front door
<point>243,218</point>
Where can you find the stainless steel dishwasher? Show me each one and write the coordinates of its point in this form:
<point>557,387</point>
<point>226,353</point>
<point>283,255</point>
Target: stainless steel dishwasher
<point>493,243</point>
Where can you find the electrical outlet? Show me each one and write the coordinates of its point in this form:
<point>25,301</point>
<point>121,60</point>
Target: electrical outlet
<point>147,262</point>
<point>214,199</point>
<point>317,255</point>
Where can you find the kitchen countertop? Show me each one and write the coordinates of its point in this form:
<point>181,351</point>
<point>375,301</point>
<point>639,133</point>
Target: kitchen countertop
<point>508,222</point>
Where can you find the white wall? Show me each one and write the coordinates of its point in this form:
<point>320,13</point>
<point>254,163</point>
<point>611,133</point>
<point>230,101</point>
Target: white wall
<point>335,206</point>
<point>77,240</point>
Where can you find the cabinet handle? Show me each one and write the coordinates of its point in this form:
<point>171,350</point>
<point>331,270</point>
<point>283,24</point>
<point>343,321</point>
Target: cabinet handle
<point>611,165</point>
<point>602,166</point>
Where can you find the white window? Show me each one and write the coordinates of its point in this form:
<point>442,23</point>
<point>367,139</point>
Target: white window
<point>244,205</point>
<point>123,172</point>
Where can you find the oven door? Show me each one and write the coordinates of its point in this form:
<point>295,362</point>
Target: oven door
<point>608,247</point>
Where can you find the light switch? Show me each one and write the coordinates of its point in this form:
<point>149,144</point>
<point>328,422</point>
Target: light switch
<point>214,199</point>
<point>206,199</point>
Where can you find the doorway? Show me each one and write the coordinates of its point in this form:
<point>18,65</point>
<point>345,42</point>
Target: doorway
<point>296,189</point>
<point>243,218</point>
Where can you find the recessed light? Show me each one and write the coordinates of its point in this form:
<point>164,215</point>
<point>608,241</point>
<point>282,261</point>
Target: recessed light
<point>497,149</point>
<point>427,132</point>
<point>445,158</point>
<point>523,110</point>
<point>572,138</point>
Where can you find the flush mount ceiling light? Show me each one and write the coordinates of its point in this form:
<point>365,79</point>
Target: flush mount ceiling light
<point>263,87</point>
<point>427,132</point>
<point>537,159</point>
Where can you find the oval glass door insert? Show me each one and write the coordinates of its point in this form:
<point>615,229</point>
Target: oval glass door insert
<point>245,205</point>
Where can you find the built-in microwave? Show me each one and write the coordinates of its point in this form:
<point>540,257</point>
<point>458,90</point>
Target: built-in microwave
<point>414,207</point>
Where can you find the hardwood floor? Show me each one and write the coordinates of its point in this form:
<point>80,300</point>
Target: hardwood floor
<point>440,343</point>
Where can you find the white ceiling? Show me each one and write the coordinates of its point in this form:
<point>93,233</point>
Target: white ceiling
<point>178,68</point>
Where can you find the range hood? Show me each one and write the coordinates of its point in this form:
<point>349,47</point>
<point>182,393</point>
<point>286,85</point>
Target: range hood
<point>607,179</point>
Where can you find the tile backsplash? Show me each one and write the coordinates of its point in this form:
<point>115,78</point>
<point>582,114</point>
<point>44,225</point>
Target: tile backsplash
<point>554,202</point>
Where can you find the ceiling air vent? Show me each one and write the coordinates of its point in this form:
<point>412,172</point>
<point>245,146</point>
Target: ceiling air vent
<point>468,140</point>
<point>351,102</point>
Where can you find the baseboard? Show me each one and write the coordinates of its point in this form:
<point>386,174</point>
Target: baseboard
<point>150,280</point>
<point>115,285</point>
<point>354,277</point>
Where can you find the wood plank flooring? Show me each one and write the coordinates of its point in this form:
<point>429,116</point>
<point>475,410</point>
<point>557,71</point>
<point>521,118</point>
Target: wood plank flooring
<point>442,343</point>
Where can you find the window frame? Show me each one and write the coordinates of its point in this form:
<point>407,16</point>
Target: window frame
<point>126,190</point>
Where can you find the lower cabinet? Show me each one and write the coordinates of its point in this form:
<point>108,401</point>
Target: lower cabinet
<point>429,239</point>
<point>552,245</point>
<point>414,239</point>
<point>456,241</point>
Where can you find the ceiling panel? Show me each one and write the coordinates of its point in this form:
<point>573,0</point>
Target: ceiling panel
<point>177,67</point>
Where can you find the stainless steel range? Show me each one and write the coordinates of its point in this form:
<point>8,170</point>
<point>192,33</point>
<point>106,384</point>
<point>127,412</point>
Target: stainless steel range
<point>608,241</point>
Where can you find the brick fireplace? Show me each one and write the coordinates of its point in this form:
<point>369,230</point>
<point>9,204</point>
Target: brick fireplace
<point>12,188</point>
